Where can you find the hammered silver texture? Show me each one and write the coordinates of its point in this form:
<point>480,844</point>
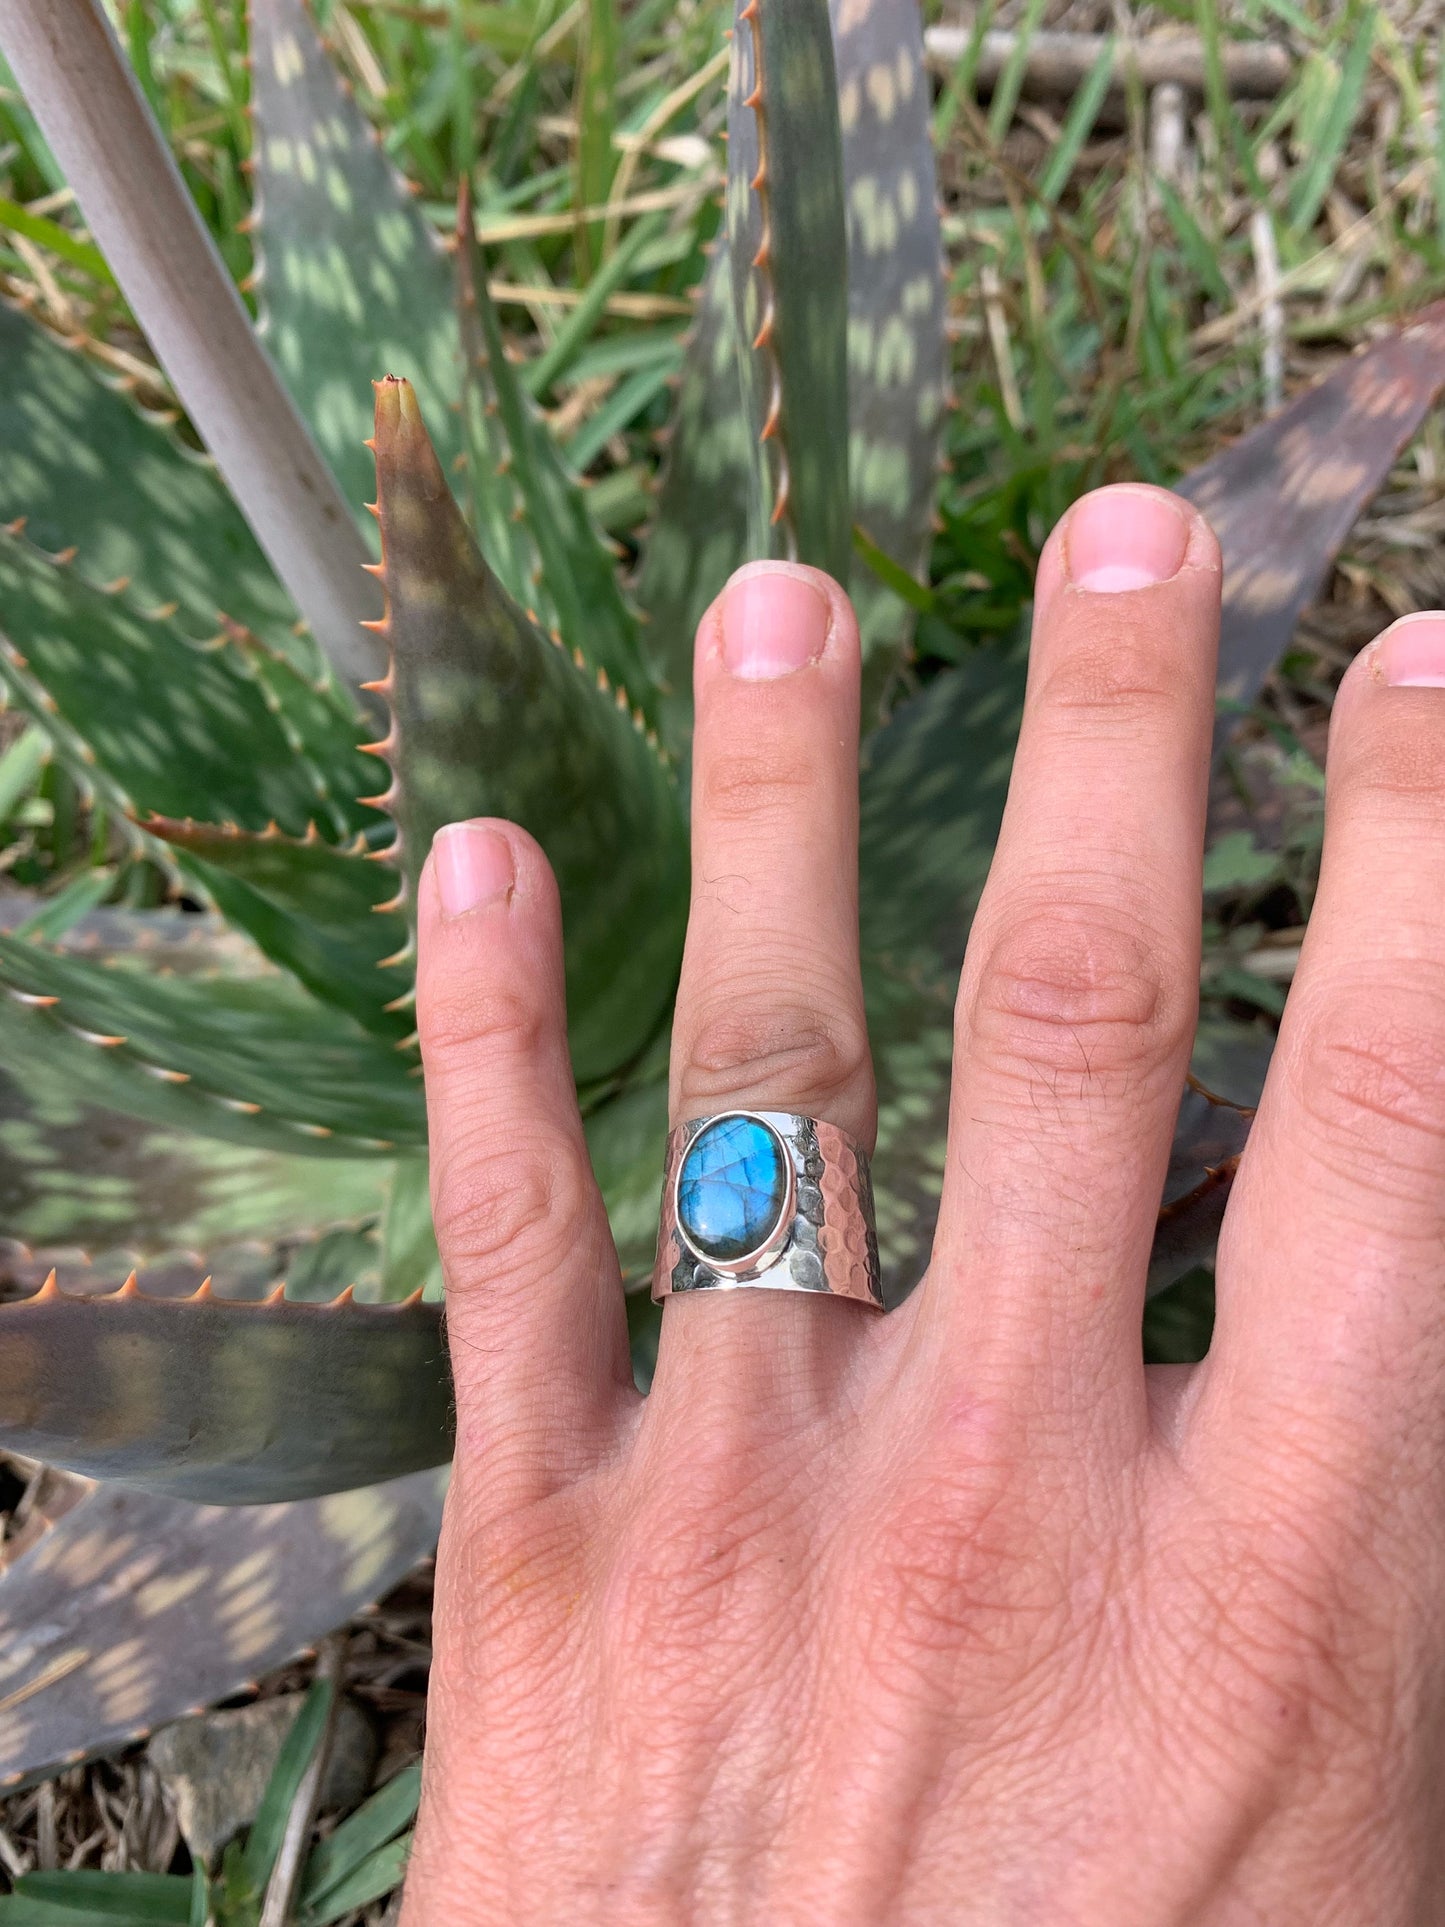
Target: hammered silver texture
<point>831,1247</point>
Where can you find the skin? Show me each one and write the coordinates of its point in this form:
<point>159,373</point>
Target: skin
<point>962,1614</point>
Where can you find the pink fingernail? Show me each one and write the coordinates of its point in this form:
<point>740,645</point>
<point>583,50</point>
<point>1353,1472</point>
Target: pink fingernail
<point>773,622</point>
<point>1411,653</point>
<point>473,866</point>
<point>1125,537</point>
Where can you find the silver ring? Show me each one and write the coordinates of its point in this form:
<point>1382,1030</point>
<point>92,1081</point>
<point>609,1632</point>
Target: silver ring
<point>767,1199</point>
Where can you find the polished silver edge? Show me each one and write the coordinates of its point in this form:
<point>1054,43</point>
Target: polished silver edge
<point>752,1263</point>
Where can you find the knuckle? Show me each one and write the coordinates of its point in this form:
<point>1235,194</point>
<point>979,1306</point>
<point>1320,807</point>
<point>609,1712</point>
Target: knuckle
<point>746,785</point>
<point>509,1207</point>
<point>1370,1064</point>
<point>1081,990</point>
<point>1108,672</point>
<point>744,1046</point>
<point>508,1018</point>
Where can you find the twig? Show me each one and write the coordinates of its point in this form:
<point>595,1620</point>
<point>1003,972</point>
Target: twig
<point>1168,133</point>
<point>1271,310</point>
<point>291,1856</point>
<point>1058,63</point>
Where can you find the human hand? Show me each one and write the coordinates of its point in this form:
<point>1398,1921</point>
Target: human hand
<point>961,1615</point>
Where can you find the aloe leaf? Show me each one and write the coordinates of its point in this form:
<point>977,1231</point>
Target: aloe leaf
<point>1283,498</point>
<point>410,1261</point>
<point>135,1608</point>
<point>933,785</point>
<point>106,139</point>
<point>257,1053</point>
<point>897,358</point>
<point>173,727</point>
<point>318,911</point>
<point>75,1175</point>
<point>223,1401</point>
<point>787,238</point>
<point>352,282</point>
<point>700,532</point>
<point>579,569</point>
<point>493,719</point>
<point>897,351</point>
<point>86,469</point>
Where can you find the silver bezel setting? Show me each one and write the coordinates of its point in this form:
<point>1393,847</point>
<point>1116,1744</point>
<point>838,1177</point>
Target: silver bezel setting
<point>751,1263</point>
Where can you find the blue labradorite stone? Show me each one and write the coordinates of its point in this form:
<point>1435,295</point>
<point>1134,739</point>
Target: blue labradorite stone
<point>731,1189</point>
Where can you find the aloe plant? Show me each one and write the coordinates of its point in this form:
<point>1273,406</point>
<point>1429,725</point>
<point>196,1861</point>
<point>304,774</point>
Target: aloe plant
<point>185,638</point>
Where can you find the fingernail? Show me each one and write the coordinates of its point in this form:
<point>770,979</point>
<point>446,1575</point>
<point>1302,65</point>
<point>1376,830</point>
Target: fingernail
<point>1125,538</point>
<point>773,622</point>
<point>1411,653</point>
<point>473,866</point>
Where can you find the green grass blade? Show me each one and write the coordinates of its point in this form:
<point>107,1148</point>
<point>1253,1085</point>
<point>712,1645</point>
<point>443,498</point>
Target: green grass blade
<point>20,768</point>
<point>371,1827</point>
<point>492,718</point>
<point>626,402</point>
<point>246,1403</point>
<point>1011,80</point>
<point>1311,187</point>
<point>1078,126</point>
<point>577,329</point>
<point>263,1842</point>
<point>59,240</point>
<point>159,1898</point>
<point>596,116</point>
<point>375,1877</point>
<point>959,86</point>
<point>60,912</point>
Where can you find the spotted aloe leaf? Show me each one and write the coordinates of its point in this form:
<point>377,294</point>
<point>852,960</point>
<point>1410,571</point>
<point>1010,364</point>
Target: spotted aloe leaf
<point>579,576</point>
<point>897,350</point>
<point>933,785</point>
<point>224,1402</point>
<point>85,468</point>
<point>136,1608</point>
<point>353,282</point>
<point>896,362</point>
<point>74,1175</point>
<point>1283,499</point>
<point>492,718</point>
<point>170,725</point>
<point>787,239</point>
<point>256,1061</point>
<point>319,911</point>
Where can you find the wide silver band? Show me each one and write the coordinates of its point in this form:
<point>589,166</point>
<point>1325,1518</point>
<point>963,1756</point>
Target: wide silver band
<point>825,1240</point>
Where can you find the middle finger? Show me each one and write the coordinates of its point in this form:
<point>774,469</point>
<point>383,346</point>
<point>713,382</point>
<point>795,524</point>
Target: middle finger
<point>770,1007</point>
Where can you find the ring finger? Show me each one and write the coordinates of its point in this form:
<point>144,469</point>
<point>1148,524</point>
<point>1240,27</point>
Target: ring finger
<point>770,1007</point>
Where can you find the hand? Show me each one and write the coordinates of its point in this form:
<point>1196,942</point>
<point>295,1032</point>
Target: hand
<point>961,1615</point>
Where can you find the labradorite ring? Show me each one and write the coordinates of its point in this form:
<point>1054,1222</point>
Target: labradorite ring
<point>767,1199</point>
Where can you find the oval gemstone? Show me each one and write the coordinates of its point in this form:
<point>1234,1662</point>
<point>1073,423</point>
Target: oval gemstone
<point>732,1188</point>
